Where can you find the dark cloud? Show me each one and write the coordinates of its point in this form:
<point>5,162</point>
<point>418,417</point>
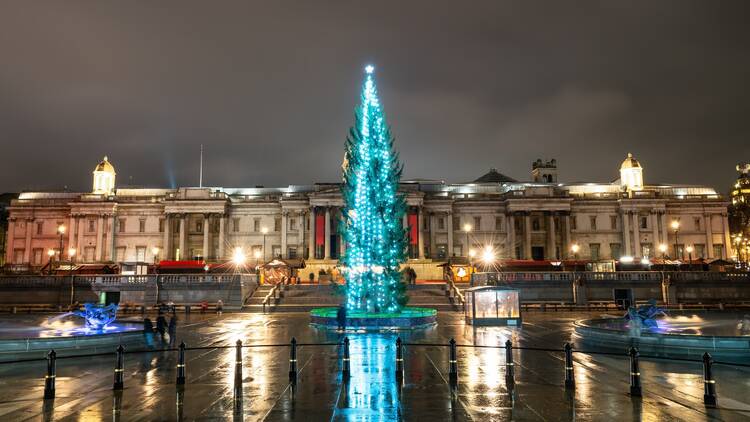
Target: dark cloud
<point>270,87</point>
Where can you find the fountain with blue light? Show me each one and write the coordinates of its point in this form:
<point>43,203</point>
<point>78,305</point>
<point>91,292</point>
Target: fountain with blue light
<point>89,330</point>
<point>678,334</point>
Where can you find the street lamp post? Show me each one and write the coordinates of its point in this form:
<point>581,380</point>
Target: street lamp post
<point>71,254</point>
<point>467,229</point>
<point>575,248</point>
<point>50,254</point>
<point>61,231</point>
<point>676,228</point>
<point>155,253</point>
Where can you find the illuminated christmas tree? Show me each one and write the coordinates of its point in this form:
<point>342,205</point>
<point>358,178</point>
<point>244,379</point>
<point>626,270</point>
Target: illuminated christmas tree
<point>373,211</point>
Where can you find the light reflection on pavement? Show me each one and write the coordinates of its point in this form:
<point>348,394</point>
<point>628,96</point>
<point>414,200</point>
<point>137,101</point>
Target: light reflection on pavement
<point>672,390</point>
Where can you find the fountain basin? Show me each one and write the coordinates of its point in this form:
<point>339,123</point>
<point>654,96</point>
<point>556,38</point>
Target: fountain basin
<point>26,338</point>
<point>714,334</point>
<point>408,318</point>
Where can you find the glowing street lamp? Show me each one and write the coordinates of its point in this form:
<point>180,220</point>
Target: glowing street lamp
<point>676,227</point>
<point>575,248</point>
<point>488,255</point>
<point>238,257</point>
<point>663,250</point>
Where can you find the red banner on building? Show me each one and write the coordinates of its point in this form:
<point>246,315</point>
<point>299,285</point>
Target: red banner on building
<point>413,229</point>
<point>320,229</point>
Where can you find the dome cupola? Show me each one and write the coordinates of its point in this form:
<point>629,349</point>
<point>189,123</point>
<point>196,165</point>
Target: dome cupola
<point>631,174</point>
<point>104,177</point>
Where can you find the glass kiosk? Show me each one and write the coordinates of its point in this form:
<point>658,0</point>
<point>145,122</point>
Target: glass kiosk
<point>492,305</point>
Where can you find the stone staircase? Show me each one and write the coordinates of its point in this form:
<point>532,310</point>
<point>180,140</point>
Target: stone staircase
<point>303,298</point>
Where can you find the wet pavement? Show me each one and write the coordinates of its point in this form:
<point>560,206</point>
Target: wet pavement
<point>671,390</point>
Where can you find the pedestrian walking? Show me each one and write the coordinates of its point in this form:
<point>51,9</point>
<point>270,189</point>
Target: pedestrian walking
<point>172,330</point>
<point>341,318</point>
<point>161,327</point>
<point>148,333</point>
<point>219,306</point>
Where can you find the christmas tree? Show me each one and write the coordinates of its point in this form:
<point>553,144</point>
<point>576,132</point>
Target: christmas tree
<point>373,211</point>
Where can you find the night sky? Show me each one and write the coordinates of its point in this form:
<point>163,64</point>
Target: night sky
<point>270,88</point>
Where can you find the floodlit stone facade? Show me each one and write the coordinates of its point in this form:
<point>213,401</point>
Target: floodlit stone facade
<point>541,219</point>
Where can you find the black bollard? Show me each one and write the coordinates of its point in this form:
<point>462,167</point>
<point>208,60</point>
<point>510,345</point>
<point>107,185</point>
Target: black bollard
<point>119,369</point>
<point>509,369</point>
<point>635,373</point>
<point>238,368</point>
<point>570,382</point>
<point>49,379</point>
<point>181,364</point>
<point>452,363</point>
<point>293,361</point>
<point>399,361</point>
<point>345,367</point>
<point>709,389</point>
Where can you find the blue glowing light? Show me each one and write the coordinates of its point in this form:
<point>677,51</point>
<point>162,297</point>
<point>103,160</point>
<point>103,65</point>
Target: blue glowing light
<point>97,317</point>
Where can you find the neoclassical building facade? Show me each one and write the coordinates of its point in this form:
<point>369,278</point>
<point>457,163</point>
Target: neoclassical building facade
<point>538,219</point>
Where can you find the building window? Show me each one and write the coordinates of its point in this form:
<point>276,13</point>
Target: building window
<point>235,225</point>
<point>613,222</point>
<point>140,254</point>
<point>498,223</point>
<point>141,226</point>
<point>291,252</point>
<point>277,224</point>
<point>535,226</point>
<point>39,227</point>
<point>275,251</point>
<point>697,222</point>
<point>256,224</point>
<point>161,225</point>
<point>292,224</point>
<point>441,223</point>
<point>592,220</point>
<point>199,226</point>
<point>37,256</point>
<point>456,223</point>
<point>594,248</point>
<point>615,250</point>
<point>643,222</point>
<point>120,253</point>
<point>92,226</point>
<point>718,251</point>
<point>573,222</point>
<point>477,223</point>
<point>121,225</point>
<point>700,250</point>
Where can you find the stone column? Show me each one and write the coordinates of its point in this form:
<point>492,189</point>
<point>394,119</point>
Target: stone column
<point>566,236</point>
<point>80,256</point>
<point>166,243</point>
<point>9,254</point>
<point>311,240</point>
<point>27,246</point>
<point>433,226</point>
<point>111,239</point>
<point>510,235</point>
<point>636,236</point>
<point>727,250</point>
<point>301,235</point>
<point>327,240</point>
<point>449,224</point>
<point>551,249</point>
<point>284,222</point>
<point>655,231</point>
<point>99,239</point>
<point>420,233</point>
<point>183,237</point>
<point>709,237</point>
<point>625,218</point>
<point>222,236</point>
<point>527,236</point>
<point>206,236</point>
<point>664,235</point>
